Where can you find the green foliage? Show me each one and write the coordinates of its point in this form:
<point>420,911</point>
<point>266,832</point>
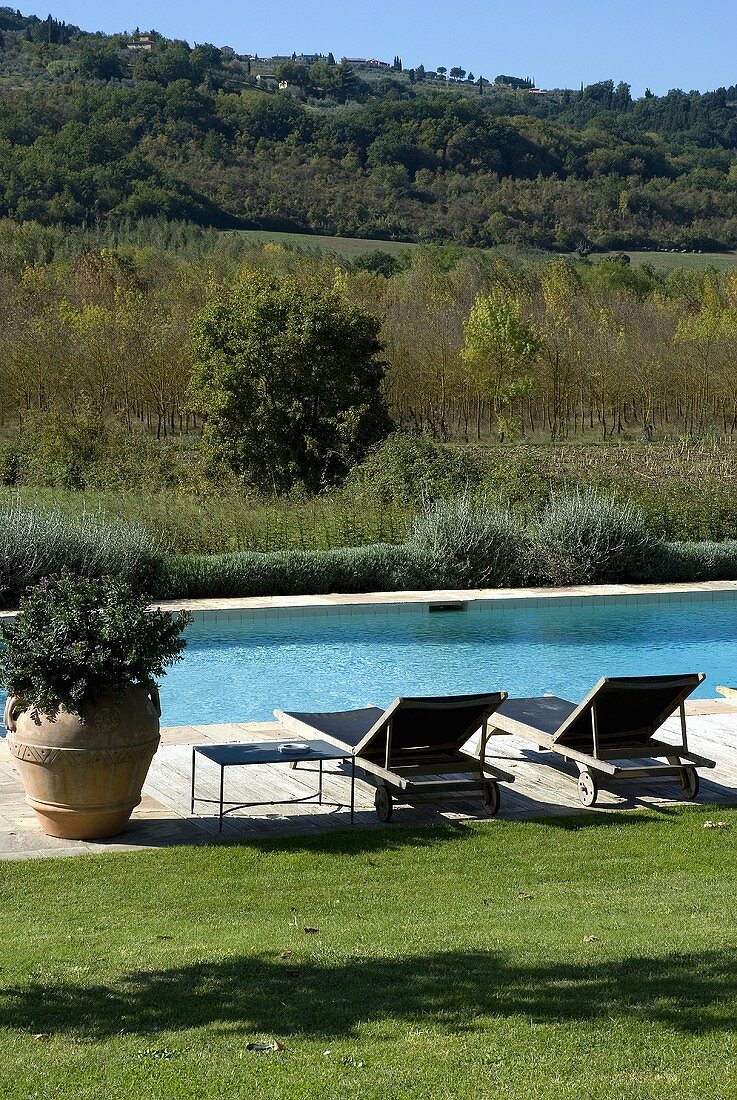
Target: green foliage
<point>38,542</point>
<point>685,493</point>
<point>411,158</point>
<point>289,380</point>
<point>693,561</point>
<point>516,478</point>
<point>59,448</point>
<point>500,347</point>
<point>293,72</point>
<point>514,81</point>
<point>99,61</point>
<point>75,637</point>
<point>702,510</point>
<point>461,542</point>
<point>379,261</point>
<point>197,519</point>
<point>470,544</point>
<point>82,451</point>
<point>377,568</point>
<point>408,469</point>
<point>589,538</point>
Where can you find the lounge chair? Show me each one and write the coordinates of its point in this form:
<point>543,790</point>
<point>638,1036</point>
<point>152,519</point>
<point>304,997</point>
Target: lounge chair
<point>413,750</point>
<point>614,724</point>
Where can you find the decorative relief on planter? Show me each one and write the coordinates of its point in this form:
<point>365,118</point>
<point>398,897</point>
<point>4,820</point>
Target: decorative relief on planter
<point>34,753</point>
<point>106,720</point>
<point>79,758</point>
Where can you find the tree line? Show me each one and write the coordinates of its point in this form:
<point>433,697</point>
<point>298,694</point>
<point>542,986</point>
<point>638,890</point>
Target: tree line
<point>460,345</point>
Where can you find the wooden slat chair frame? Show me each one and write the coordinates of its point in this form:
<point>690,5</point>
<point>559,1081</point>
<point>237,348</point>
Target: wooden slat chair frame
<point>633,743</point>
<point>439,769</point>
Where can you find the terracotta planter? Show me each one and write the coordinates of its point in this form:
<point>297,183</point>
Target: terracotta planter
<point>83,777</point>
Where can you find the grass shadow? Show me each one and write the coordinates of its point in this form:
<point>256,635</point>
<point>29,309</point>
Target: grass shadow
<point>692,993</point>
<point>396,837</point>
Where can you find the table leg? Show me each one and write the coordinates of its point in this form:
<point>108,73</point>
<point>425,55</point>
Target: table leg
<point>353,786</point>
<point>320,786</point>
<point>191,804</point>
<point>222,774</point>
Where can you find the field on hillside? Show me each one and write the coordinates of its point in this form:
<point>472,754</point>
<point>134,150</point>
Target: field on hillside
<point>671,261</point>
<point>348,247</point>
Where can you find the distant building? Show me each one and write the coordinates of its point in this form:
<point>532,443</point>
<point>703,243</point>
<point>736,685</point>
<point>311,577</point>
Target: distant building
<point>141,42</point>
<point>370,61</point>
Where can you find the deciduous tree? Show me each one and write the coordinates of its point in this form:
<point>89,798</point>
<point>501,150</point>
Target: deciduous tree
<point>500,348</point>
<point>289,378</point>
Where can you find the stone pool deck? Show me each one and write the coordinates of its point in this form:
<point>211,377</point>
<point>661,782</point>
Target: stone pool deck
<point>544,787</point>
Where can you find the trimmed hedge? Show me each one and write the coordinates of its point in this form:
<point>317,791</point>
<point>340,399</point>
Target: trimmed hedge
<point>378,568</point>
<point>693,561</point>
<point>388,568</point>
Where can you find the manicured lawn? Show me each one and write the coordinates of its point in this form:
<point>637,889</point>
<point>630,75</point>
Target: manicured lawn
<point>581,957</point>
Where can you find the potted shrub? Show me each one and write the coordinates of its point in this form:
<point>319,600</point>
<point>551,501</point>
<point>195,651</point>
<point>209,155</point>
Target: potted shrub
<point>79,665</point>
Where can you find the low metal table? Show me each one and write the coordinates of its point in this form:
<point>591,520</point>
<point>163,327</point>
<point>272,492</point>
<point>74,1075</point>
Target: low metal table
<point>268,752</point>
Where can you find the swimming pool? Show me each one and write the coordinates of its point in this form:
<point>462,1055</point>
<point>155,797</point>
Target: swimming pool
<point>237,671</point>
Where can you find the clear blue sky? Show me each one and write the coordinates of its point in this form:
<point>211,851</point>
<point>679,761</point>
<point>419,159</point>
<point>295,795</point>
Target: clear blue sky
<point>657,43</point>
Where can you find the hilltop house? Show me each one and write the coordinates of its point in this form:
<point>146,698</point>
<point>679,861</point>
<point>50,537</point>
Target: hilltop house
<point>141,42</point>
<point>371,62</point>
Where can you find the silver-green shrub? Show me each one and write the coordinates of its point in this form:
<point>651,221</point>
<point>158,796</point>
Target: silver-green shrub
<point>39,542</point>
<point>588,537</point>
<point>470,544</point>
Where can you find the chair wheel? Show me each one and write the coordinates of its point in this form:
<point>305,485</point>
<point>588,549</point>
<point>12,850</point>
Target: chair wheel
<point>688,781</point>
<point>383,804</point>
<point>588,789</point>
<point>491,798</point>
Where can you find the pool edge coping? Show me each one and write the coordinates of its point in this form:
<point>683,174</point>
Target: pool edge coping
<point>426,598</point>
<point>434,597</point>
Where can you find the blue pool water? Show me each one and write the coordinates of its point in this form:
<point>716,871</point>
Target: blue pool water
<point>240,671</point>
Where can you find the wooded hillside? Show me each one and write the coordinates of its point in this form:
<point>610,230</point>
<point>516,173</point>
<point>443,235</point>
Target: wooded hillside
<point>95,127</point>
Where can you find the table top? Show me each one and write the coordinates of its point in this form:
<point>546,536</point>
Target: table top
<point>267,752</point>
